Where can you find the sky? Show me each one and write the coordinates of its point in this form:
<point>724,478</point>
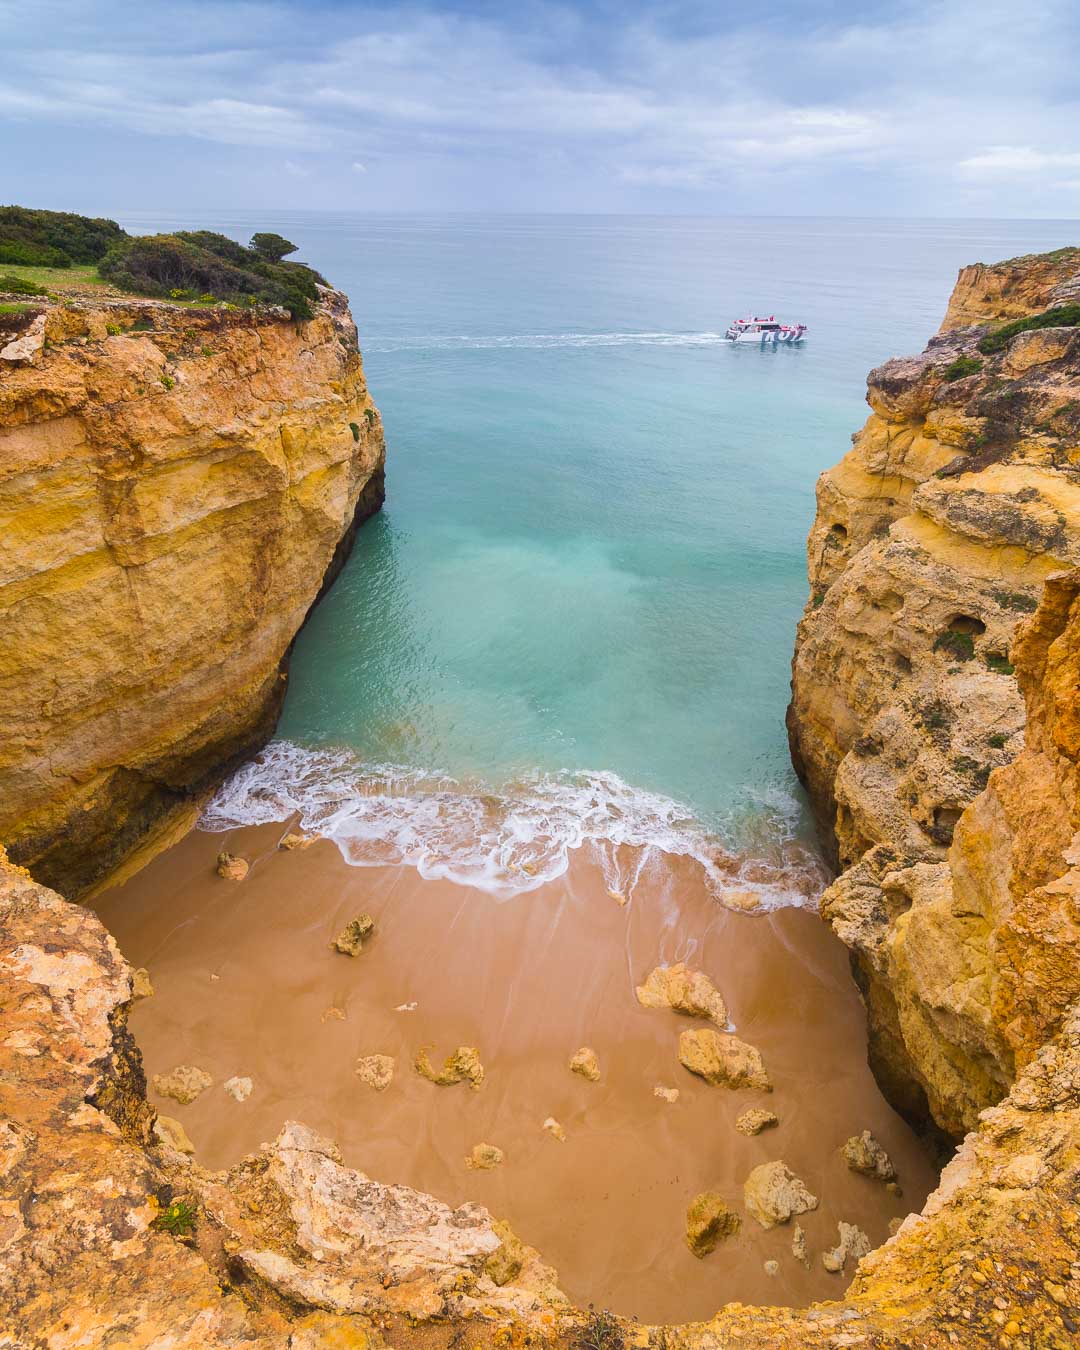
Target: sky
<point>843,107</point>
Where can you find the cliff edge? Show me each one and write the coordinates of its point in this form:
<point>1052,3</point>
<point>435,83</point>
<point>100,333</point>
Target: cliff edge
<point>950,808</point>
<point>176,485</point>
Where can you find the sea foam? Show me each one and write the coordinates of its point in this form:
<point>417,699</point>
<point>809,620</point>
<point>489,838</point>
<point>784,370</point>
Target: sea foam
<point>508,841</point>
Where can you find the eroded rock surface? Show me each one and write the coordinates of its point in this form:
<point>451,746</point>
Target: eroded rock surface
<point>724,1061</point>
<point>176,485</point>
<point>773,1193</point>
<point>951,808</point>
<point>708,1222</point>
<point>686,991</point>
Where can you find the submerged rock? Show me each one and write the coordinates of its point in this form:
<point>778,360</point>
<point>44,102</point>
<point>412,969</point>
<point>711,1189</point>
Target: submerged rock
<point>864,1154</point>
<point>755,1120</point>
<point>773,1193</point>
<point>585,1063</point>
<point>853,1242</point>
<point>231,867</point>
<point>724,1061</point>
<point>350,941</point>
<point>239,1089</point>
<point>555,1129</point>
<point>484,1157</point>
<point>461,1066</point>
<point>685,991</point>
<point>708,1222</point>
<point>173,1135</point>
<point>798,1246</point>
<point>772,1267</point>
<point>376,1071</point>
<point>667,1094</point>
<point>140,984</point>
<point>183,1085</point>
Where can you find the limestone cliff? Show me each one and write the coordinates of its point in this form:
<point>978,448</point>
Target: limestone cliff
<point>175,486</point>
<point>933,540</point>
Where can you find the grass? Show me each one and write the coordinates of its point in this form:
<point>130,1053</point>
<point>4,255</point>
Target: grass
<point>16,309</point>
<point>57,279</point>
<point>178,1218</point>
<point>999,663</point>
<point>961,367</point>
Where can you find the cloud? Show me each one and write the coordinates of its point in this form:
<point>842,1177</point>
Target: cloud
<point>851,107</point>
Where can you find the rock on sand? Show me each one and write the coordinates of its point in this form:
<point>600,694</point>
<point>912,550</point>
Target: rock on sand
<point>686,991</point>
<point>773,1193</point>
<point>723,1060</point>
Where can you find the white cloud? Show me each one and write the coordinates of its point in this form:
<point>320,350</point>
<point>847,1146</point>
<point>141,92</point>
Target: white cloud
<point>1013,161</point>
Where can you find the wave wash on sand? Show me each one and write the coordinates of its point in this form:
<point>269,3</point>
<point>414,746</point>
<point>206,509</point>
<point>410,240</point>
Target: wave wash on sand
<point>512,840</point>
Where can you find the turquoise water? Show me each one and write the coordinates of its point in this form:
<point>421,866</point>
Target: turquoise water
<point>592,552</point>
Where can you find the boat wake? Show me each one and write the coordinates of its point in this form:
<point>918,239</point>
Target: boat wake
<point>513,840</point>
<point>541,340</point>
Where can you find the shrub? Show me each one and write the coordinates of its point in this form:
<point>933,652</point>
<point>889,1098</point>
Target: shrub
<point>1026,604</point>
<point>355,431</point>
<point>168,381</point>
<point>18,286</point>
<point>958,645</point>
<point>271,247</point>
<point>996,740</point>
<point>205,264</point>
<point>54,238</point>
<point>1061,316</point>
<point>961,367</point>
<point>113,329</point>
<point>999,663</point>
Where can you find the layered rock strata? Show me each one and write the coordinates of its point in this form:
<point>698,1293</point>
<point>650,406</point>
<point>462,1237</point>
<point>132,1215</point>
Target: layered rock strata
<point>953,825</point>
<point>176,485</point>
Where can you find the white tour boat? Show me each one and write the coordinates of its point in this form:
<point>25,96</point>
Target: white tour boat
<point>761,332</point>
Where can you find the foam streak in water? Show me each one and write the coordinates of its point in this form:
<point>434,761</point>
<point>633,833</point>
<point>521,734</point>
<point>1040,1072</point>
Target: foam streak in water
<point>505,842</point>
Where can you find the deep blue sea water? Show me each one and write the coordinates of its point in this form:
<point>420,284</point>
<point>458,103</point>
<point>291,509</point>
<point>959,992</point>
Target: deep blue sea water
<point>592,552</point>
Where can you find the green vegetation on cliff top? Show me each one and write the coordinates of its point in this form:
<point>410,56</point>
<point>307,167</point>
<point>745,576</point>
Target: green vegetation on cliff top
<point>43,247</point>
<point>1061,316</point>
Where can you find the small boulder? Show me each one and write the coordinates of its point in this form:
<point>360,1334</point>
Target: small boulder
<point>864,1154</point>
<point>376,1071</point>
<point>484,1157</point>
<point>772,1267</point>
<point>350,941</point>
<point>665,1093</point>
<point>555,1129</point>
<point>895,1224</point>
<point>239,1089</point>
<point>685,991</point>
<point>461,1066</point>
<point>140,984</point>
<point>183,1085</point>
<point>231,867</point>
<point>585,1063</point>
<point>291,841</point>
<point>755,1120</point>
<point>708,1222</point>
<point>798,1246</point>
<point>773,1193</point>
<point>173,1135</point>
<point>853,1242</point>
<point>724,1061</point>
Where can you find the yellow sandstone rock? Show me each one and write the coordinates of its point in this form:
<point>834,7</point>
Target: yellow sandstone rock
<point>231,867</point>
<point>161,547</point>
<point>462,1066</point>
<point>350,941</point>
<point>585,1063</point>
<point>724,1061</point>
<point>376,1071</point>
<point>484,1157</point>
<point>708,1222</point>
<point>183,1084</point>
<point>686,991</point>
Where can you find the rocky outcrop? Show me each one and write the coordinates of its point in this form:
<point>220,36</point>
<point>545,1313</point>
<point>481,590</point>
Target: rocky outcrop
<point>112,1234</point>
<point>934,539</point>
<point>176,485</point>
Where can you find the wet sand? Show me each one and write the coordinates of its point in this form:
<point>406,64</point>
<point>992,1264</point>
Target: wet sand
<point>245,976</point>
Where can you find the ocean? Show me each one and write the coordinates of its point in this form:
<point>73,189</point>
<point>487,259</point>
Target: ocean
<point>574,617</point>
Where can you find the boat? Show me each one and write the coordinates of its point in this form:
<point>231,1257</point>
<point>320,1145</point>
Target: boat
<point>765,332</point>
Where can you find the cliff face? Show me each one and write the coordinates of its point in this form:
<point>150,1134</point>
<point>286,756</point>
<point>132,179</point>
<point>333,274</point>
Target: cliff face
<point>933,540</point>
<point>175,485</point>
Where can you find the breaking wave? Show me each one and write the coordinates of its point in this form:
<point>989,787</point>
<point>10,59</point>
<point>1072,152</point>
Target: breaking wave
<point>512,840</point>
